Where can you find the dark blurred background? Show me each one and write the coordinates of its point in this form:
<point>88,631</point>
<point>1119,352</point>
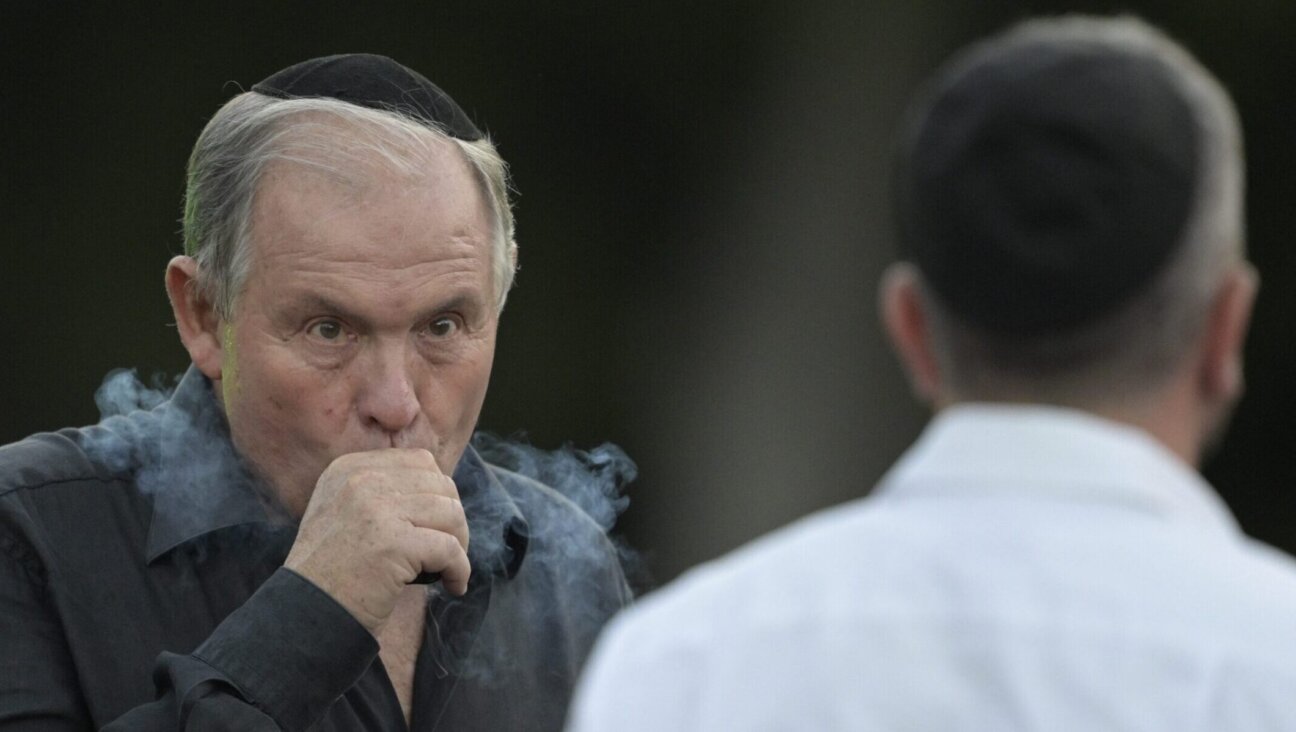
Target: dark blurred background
<point>702,218</point>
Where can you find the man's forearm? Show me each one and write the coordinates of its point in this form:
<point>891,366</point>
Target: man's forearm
<point>277,662</point>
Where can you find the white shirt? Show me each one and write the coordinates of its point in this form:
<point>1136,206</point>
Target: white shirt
<point>1020,568</point>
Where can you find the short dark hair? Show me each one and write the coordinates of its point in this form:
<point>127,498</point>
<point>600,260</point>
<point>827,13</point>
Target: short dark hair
<point>1068,251</point>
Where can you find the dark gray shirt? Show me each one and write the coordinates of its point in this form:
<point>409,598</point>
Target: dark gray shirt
<point>142,588</point>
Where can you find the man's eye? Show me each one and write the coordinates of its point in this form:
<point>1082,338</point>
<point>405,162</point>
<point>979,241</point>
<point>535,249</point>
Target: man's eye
<point>326,330</point>
<point>444,326</point>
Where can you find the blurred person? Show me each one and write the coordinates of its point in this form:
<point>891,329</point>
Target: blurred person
<point>302,536</point>
<point>1072,303</point>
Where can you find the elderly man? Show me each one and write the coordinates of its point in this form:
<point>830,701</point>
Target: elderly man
<point>1073,305</point>
<point>302,536</point>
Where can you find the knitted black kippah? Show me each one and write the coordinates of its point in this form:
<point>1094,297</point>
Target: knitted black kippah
<point>1042,184</point>
<point>369,80</point>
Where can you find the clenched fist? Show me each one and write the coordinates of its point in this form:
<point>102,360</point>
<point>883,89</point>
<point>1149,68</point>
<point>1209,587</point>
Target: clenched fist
<point>375,521</point>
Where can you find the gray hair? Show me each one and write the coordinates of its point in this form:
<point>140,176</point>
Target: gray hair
<point>1138,346</point>
<point>254,130</point>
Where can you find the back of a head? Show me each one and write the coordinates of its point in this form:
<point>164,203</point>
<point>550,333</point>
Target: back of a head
<point>1070,191</point>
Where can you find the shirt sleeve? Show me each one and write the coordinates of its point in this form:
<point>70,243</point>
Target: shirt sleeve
<point>38,685</point>
<point>627,685</point>
<point>278,662</point>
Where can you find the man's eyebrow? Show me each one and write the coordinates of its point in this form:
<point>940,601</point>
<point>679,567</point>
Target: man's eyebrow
<point>467,304</point>
<point>317,303</point>
<point>460,301</point>
<point>323,304</point>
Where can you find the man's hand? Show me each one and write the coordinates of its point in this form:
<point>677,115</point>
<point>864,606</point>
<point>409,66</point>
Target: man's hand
<point>375,521</point>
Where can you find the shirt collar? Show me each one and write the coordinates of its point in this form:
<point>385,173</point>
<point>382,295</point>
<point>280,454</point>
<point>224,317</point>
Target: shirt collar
<point>1054,454</point>
<point>199,485</point>
<point>498,532</point>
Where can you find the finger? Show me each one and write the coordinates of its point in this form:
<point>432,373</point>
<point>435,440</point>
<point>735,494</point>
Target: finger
<point>414,457</point>
<point>402,475</point>
<point>391,479</point>
<point>437,551</point>
<point>439,513</point>
<point>390,457</point>
<point>415,480</point>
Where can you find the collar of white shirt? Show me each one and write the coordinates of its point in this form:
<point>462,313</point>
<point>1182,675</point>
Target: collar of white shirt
<point>1052,454</point>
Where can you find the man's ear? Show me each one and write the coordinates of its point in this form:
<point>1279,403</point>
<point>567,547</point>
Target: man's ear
<point>1221,380</point>
<point>195,317</point>
<point>904,317</point>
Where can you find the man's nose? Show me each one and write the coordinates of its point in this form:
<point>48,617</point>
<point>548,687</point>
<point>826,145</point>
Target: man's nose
<point>388,400</point>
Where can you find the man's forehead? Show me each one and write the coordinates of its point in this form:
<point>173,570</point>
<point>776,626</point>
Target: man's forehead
<point>366,215</point>
<point>362,151</point>
<point>356,161</point>
<point>371,279</point>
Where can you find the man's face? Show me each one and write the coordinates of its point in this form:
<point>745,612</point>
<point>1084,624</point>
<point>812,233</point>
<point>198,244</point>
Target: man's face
<point>367,321</point>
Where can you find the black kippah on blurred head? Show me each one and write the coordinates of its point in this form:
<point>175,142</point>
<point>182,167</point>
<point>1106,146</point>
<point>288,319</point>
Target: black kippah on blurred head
<point>373,81</point>
<point>1043,183</point>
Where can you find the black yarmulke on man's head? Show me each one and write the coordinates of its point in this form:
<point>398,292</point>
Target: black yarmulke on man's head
<point>1045,182</point>
<point>369,80</point>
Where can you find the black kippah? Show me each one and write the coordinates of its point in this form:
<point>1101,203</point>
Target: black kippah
<point>369,80</point>
<point>1043,183</point>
